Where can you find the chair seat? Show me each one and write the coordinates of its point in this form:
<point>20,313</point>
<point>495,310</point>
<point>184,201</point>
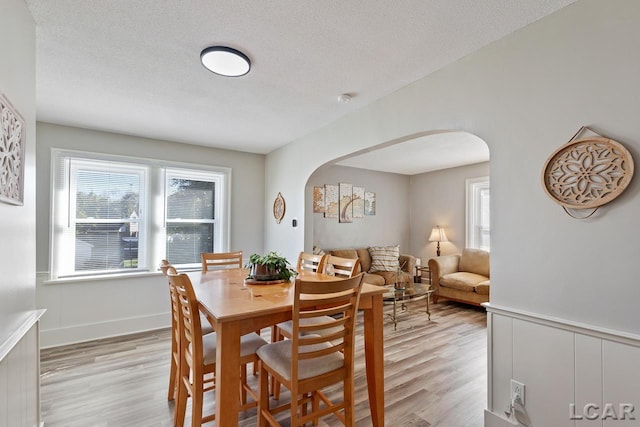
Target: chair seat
<point>287,327</point>
<point>278,356</point>
<point>206,326</point>
<point>248,345</point>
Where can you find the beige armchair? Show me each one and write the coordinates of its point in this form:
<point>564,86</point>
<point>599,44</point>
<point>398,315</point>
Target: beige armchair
<point>464,278</point>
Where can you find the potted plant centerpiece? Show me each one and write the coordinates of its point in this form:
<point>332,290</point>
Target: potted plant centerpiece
<point>269,267</point>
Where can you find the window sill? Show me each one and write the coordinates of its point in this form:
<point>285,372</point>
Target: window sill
<point>110,277</point>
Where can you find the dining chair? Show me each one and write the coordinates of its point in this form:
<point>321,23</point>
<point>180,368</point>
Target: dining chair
<point>165,267</point>
<point>310,262</point>
<point>341,267</point>
<point>216,260</point>
<point>312,360</point>
<point>197,367</point>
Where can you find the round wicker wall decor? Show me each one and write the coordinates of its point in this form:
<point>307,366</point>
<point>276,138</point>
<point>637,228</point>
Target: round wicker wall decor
<point>587,173</point>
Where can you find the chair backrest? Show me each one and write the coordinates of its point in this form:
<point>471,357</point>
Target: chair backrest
<point>315,300</point>
<point>341,267</point>
<point>311,262</point>
<point>189,318</point>
<point>212,261</point>
<point>164,266</point>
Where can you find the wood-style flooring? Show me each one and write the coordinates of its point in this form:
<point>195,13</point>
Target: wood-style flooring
<point>435,375</point>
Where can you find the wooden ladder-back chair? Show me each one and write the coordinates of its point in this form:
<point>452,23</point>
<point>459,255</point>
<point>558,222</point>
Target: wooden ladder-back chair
<point>312,360</point>
<point>165,267</point>
<point>197,356</point>
<point>211,261</point>
<point>341,267</point>
<point>310,262</point>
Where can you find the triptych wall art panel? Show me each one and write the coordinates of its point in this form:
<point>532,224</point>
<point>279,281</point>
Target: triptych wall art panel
<point>343,202</point>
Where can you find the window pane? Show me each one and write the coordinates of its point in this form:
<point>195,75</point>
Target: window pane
<point>106,195</point>
<point>105,247</point>
<point>190,199</point>
<point>185,241</point>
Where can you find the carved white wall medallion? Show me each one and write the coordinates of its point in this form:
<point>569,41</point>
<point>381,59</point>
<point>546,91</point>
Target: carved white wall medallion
<point>12,141</point>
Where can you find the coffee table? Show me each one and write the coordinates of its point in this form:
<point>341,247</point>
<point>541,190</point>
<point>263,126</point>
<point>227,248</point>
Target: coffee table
<point>401,293</point>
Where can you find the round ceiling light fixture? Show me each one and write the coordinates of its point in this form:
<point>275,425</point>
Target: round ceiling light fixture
<point>225,61</point>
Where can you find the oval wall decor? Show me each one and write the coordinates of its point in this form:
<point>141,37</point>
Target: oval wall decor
<point>587,173</point>
<point>279,208</point>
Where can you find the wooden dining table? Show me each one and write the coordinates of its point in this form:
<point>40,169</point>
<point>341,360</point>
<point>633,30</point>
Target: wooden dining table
<point>235,308</point>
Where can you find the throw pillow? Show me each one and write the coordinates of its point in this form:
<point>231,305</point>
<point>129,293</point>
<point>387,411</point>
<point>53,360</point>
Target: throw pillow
<point>317,251</point>
<point>384,258</point>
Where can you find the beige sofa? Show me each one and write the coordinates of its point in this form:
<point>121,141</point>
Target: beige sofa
<point>464,278</point>
<point>407,263</point>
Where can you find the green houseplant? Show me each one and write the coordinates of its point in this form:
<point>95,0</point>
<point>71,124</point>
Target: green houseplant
<point>269,267</point>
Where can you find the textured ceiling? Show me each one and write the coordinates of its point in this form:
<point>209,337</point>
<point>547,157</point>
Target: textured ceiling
<point>133,67</point>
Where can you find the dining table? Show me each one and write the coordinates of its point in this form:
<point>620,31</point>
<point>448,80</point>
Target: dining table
<point>235,307</point>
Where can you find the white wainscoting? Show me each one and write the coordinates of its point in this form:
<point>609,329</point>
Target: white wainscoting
<point>561,364</point>
<point>20,375</point>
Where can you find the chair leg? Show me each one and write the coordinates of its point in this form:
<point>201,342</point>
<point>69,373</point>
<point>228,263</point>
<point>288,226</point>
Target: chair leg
<point>243,381</point>
<point>263,393</point>
<point>275,385</point>
<point>196,401</point>
<point>349,412</point>
<point>172,379</point>
<point>180,407</point>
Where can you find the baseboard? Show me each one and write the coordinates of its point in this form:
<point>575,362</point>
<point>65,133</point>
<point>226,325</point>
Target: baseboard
<point>81,333</point>
<point>493,420</point>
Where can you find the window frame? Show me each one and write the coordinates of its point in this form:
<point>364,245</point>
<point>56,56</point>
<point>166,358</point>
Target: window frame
<point>152,243</point>
<point>196,175</point>
<point>473,206</point>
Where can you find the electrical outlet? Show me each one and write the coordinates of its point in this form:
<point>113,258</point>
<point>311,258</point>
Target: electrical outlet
<point>517,388</point>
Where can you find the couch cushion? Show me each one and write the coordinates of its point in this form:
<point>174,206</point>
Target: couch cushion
<point>365,259</point>
<point>482,288</point>
<point>373,279</point>
<point>462,281</point>
<point>391,277</point>
<point>384,258</point>
<point>345,253</point>
<point>474,261</point>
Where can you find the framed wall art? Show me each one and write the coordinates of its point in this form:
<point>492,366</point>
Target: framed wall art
<point>358,202</point>
<point>331,201</point>
<point>369,203</point>
<point>12,142</point>
<point>346,202</point>
<point>318,199</point>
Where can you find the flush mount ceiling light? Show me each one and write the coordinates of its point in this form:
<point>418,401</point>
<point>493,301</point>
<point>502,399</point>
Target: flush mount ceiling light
<point>225,61</point>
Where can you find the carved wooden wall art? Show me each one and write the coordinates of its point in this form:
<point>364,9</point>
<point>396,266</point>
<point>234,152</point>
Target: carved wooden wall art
<point>12,143</point>
<point>587,172</point>
<point>279,208</point>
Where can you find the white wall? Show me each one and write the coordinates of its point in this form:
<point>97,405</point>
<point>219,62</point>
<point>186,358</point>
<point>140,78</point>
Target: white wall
<point>19,399</point>
<point>525,95</point>
<point>88,309</point>
<point>438,198</point>
<point>389,226</point>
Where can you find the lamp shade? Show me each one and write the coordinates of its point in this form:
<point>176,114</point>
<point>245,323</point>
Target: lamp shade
<point>437,235</point>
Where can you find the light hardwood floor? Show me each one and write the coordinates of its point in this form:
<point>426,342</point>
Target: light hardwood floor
<point>435,375</point>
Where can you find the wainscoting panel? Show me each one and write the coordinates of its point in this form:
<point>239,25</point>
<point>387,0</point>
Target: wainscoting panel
<point>501,359</point>
<point>21,383</point>
<point>564,366</point>
<point>621,381</point>
<point>588,377</point>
